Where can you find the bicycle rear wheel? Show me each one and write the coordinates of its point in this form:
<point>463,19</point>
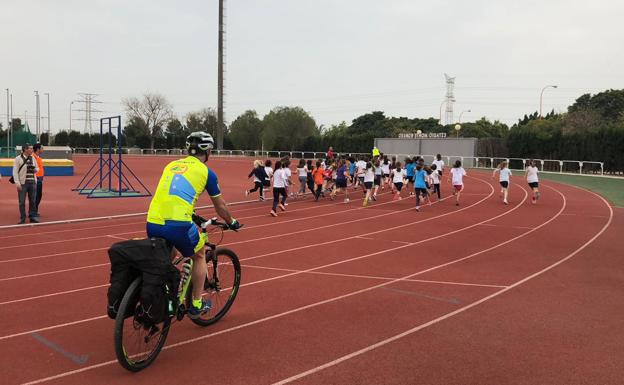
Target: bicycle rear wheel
<point>137,345</point>
<point>221,286</point>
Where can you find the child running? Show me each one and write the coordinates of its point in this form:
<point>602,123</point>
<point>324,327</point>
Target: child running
<point>420,187</point>
<point>385,170</point>
<point>369,178</point>
<point>280,181</point>
<point>409,172</point>
<point>398,174</point>
<point>503,178</point>
<point>435,179</point>
<point>317,174</point>
<point>457,174</point>
<point>310,178</point>
<point>259,175</point>
<point>269,173</point>
<point>342,174</point>
<point>532,180</point>
<point>302,172</point>
<point>377,181</point>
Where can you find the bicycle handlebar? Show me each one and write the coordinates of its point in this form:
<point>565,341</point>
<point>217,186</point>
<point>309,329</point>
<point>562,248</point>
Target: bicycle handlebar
<point>203,223</point>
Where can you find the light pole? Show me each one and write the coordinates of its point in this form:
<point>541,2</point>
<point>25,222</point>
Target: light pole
<point>460,115</point>
<point>457,128</point>
<point>441,104</point>
<point>542,97</point>
<point>8,124</point>
<point>70,118</point>
<point>48,95</point>
<point>37,113</point>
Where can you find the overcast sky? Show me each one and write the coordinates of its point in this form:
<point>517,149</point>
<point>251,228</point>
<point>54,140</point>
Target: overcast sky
<point>337,59</point>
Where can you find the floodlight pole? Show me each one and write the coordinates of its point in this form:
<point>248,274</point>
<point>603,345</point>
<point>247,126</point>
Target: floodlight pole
<point>542,97</point>
<point>220,130</point>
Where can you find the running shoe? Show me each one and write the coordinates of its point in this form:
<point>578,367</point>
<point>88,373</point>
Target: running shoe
<point>273,213</point>
<point>365,203</point>
<point>261,199</point>
<point>246,193</point>
<point>346,200</point>
<point>505,202</point>
<point>281,206</point>
<point>417,208</point>
<point>374,197</point>
<point>195,313</point>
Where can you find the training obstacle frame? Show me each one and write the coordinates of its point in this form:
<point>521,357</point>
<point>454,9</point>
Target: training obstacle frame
<point>108,178</point>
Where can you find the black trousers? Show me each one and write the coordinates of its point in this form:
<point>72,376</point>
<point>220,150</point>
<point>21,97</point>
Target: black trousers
<point>39,193</point>
<point>258,186</point>
<point>277,191</point>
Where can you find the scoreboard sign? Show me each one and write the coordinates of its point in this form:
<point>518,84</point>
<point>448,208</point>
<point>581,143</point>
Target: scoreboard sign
<point>415,135</point>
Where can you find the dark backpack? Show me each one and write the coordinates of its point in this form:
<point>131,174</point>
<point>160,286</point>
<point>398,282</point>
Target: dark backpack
<point>149,258</point>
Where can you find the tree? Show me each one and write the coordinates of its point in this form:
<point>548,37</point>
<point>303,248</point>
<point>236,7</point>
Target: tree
<point>176,134</point>
<point>246,131</point>
<point>153,110</point>
<point>202,120</point>
<point>609,104</point>
<point>61,139</point>
<point>287,128</point>
<point>136,131</point>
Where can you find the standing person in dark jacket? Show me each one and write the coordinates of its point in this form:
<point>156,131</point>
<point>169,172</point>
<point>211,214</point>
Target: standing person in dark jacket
<point>259,174</point>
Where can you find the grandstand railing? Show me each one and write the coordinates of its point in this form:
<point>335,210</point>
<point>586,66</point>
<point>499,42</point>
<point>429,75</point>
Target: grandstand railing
<point>582,167</point>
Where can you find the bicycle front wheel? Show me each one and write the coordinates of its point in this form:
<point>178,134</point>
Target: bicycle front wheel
<point>136,344</point>
<point>221,286</point>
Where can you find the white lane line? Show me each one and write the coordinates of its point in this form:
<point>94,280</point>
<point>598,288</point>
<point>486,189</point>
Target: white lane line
<point>451,314</point>
<point>262,320</point>
<point>378,278</point>
<point>285,234</point>
<point>312,269</point>
<point>238,242</point>
<point>507,227</point>
<point>246,228</point>
<point>116,237</point>
<point>54,294</point>
<point>53,272</point>
<point>55,255</point>
<point>380,240</point>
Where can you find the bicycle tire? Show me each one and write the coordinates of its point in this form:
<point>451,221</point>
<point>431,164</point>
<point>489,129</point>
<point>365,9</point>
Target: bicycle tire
<point>130,299</point>
<point>230,256</point>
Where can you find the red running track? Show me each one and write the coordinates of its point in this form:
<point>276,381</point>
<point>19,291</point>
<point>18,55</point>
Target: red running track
<point>334,293</point>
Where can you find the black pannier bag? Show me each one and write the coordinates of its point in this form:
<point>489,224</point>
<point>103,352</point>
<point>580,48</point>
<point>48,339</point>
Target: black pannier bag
<point>151,259</point>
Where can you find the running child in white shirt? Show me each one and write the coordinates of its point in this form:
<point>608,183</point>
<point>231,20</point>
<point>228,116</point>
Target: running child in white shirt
<point>369,179</point>
<point>457,175</point>
<point>504,174</point>
<point>533,180</point>
<point>435,180</point>
<point>397,174</point>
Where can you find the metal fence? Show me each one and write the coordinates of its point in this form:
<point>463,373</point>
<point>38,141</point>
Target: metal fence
<point>544,165</point>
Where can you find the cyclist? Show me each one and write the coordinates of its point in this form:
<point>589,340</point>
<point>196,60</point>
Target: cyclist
<point>171,209</point>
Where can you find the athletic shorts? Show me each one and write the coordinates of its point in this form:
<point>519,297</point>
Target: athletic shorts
<point>386,175</point>
<point>398,186</point>
<point>184,236</point>
<point>266,183</point>
<point>361,179</point>
<point>427,184</point>
<point>458,187</point>
<point>368,185</point>
<point>421,191</point>
<point>377,180</point>
<point>410,179</point>
<point>534,185</point>
<point>341,183</point>
<point>504,183</point>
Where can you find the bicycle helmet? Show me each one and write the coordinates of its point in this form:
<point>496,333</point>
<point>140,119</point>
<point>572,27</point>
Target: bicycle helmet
<point>199,143</point>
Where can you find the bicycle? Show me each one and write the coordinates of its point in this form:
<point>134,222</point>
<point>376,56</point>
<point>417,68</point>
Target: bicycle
<point>144,341</point>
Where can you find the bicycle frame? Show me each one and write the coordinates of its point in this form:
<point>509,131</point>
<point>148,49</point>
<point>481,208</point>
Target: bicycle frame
<point>183,291</point>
